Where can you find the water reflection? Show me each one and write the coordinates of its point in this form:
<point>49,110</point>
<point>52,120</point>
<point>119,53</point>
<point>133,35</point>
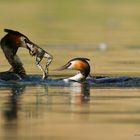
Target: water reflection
<point>12,103</point>
<point>27,105</point>
<point>48,112</point>
<point>75,93</point>
<point>79,92</point>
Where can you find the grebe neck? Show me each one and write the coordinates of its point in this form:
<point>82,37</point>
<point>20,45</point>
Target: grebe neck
<point>78,77</point>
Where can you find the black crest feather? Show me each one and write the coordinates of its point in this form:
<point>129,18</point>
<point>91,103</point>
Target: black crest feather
<point>13,32</point>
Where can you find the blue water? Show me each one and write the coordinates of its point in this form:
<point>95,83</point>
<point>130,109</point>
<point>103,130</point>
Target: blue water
<point>122,81</point>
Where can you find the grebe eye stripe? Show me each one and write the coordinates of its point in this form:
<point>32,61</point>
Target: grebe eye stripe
<point>68,64</point>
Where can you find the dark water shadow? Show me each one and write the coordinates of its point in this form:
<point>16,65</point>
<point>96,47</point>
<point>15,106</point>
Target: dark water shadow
<point>12,104</point>
<point>96,81</point>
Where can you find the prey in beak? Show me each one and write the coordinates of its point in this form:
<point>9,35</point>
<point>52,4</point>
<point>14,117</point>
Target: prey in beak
<point>39,53</point>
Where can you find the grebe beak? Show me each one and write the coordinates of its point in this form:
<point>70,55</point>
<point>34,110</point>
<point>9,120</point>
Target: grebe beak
<point>29,44</point>
<point>63,67</point>
<point>31,47</point>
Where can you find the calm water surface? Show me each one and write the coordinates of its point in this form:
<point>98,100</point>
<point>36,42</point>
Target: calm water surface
<point>74,112</point>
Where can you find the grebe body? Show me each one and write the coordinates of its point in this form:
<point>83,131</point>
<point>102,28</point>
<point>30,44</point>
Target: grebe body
<point>10,44</point>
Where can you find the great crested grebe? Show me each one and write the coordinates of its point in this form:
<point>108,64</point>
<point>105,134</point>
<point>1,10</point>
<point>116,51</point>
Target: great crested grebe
<point>80,64</point>
<point>10,44</point>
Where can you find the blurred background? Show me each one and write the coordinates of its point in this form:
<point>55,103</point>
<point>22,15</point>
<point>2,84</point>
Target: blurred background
<point>106,31</point>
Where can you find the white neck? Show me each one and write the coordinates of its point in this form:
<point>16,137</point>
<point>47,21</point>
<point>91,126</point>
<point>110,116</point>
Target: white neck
<point>78,77</point>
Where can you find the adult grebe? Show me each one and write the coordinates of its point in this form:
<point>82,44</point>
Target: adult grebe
<point>80,64</point>
<point>10,44</point>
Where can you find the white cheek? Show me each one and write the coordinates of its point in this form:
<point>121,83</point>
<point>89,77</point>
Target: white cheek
<point>72,66</point>
<point>22,38</point>
<point>23,44</point>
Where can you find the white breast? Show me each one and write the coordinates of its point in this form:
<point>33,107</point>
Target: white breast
<point>77,77</point>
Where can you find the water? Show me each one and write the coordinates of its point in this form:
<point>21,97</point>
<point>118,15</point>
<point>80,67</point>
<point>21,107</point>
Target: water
<point>74,112</point>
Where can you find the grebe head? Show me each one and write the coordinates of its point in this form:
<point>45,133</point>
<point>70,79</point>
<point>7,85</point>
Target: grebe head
<point>15,39</point>
<point>80,64</point>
